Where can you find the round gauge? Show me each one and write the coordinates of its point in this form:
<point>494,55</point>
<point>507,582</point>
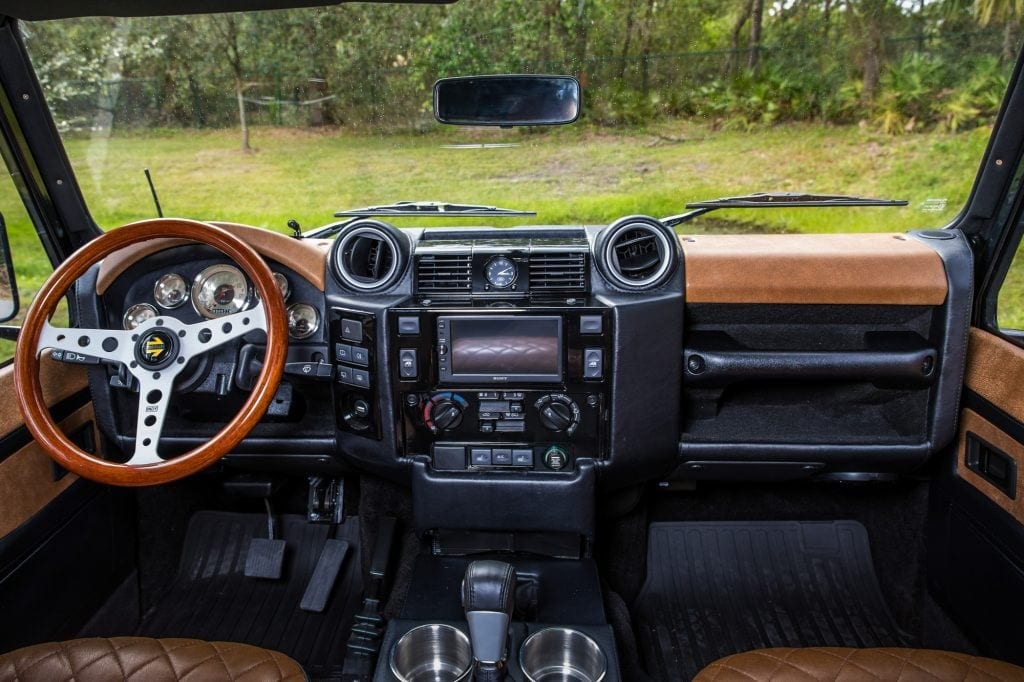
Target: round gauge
<point>501,272</point>
<point>137,314</point>
<point>170,291</point>
<point>219,290</point>
<point>303,320</point>
<point>282,284</point>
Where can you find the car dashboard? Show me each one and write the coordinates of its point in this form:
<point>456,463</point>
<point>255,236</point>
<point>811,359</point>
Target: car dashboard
<point>524,369</point>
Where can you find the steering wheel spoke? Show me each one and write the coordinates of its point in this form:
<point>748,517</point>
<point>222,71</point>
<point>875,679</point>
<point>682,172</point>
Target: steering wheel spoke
<point>154,398</point>
<point>204,336</point>
<point>85,346</point>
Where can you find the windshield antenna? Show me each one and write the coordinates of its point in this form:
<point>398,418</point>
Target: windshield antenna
<point>152,190</point>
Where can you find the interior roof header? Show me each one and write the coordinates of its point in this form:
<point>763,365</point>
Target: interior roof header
<point>33,10</point>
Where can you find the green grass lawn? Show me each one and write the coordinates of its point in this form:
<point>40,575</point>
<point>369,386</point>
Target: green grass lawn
<point>568,175</point>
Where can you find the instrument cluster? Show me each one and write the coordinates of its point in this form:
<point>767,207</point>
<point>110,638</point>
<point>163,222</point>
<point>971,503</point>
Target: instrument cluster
<point>218,290</point>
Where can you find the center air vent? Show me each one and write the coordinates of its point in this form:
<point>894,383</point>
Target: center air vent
<point>368,256</point>
<point>444,273</point>
<point>558,271</point>
<point>637,253</point>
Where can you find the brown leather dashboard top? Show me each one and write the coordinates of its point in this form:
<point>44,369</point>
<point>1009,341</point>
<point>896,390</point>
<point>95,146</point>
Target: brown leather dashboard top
<point>307,257</point>
<point>887,269</point>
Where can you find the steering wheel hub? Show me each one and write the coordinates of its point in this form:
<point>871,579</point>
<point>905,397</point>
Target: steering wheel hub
<point>156,348</point>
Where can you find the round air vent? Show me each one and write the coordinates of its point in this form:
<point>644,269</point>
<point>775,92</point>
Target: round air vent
<point>369,255</point>
<point>637,252</point>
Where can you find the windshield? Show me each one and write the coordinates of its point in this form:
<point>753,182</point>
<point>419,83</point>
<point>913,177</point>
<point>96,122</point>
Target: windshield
<point>264,117</point>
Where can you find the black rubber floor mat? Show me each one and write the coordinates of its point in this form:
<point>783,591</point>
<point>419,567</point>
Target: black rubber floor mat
<point>212,599</point>
<point>715,589</point>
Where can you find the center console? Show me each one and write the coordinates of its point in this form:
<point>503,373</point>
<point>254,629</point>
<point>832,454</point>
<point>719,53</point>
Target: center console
<point>500,373</point>
<point>523,388</point>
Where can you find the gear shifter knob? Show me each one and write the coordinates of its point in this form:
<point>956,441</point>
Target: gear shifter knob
<point>488,597</point>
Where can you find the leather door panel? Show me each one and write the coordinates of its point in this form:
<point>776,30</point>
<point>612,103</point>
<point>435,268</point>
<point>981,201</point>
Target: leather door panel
<point>28,478</point>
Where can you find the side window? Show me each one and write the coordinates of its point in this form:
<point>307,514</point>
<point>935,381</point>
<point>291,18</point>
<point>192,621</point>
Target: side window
<point>31,265</point>
<point>1010,302</point>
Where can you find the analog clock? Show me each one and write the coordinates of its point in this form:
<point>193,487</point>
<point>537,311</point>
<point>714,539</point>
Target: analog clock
<point>501,272</point>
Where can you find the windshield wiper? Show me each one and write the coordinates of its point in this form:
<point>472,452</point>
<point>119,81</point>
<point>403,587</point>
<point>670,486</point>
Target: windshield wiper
<point>777,200</point>
<point>404,209</point>
<point>416,208</point>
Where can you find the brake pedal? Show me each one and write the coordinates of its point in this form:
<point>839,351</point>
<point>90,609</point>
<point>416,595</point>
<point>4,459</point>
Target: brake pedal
<point>265,556</point>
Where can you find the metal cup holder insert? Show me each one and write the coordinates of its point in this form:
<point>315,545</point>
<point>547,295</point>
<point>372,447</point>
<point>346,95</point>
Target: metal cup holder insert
<point>432,653</point>
<point>562,655</point>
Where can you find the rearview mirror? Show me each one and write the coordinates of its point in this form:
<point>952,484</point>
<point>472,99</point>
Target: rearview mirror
<point>8,286</point>
<point>507,101</point>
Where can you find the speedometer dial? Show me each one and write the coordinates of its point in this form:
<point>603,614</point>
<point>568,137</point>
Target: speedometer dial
<point>219,290</point>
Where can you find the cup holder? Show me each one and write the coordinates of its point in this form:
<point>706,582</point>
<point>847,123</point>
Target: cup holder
<point>432,653</point>
<point>562,655</point>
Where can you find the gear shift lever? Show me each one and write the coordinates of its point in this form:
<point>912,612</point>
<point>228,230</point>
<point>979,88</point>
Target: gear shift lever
<point>488,597</point>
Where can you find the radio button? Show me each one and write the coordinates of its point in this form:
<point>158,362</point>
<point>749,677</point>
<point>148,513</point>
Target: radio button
<point>522,458</point>
<point>501,457</point>
<point>590,324</point>
<point>480,457</point>
<point>342,352</point>
<point>407,363</point>
<point>449,457</point>
<point>360,356</point>
<point>593,363</point>
<point>351,330</point>
<point>361,378</point>
<point>408,325</point>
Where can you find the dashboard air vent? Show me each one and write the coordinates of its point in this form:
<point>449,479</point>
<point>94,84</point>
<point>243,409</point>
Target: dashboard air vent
<point>558,271</point>
<point>367,257</point>
<point>440,273</point>
<point>637,254</point>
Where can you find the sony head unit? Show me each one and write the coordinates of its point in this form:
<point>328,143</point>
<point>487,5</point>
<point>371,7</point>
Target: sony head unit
<point>499,349</point>
<point>521,388</point>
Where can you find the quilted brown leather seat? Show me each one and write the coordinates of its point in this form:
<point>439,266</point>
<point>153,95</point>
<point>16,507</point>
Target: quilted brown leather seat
<point>813,664</point>
<point>151,660</point>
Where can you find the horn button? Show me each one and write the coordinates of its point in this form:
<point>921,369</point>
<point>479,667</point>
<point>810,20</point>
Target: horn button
<point>156,348</point>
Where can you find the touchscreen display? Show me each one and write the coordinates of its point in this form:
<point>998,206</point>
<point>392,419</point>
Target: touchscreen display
<point>509,346</point>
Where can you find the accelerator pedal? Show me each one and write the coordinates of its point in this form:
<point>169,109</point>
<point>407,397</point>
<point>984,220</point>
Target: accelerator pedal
<point>328,566</point>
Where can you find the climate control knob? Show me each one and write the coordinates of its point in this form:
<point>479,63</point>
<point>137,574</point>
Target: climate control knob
<point>446,415</point>
<point>558,413</point>
<point>443,411</point>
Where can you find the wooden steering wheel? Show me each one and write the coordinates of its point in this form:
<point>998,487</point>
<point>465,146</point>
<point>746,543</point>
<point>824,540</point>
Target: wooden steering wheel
<point>154,353</point>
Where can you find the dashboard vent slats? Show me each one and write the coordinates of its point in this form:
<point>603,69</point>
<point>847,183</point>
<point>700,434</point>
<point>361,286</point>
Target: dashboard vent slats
<point>440,273</point>
<point>637,253</point>
<point>558,271</point>
<point>368,256</point>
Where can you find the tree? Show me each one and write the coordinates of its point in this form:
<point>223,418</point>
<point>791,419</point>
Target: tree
<point>227,25</point>
<point>871,16</point>
<point>756,23</point>
<point>1009,14</point>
